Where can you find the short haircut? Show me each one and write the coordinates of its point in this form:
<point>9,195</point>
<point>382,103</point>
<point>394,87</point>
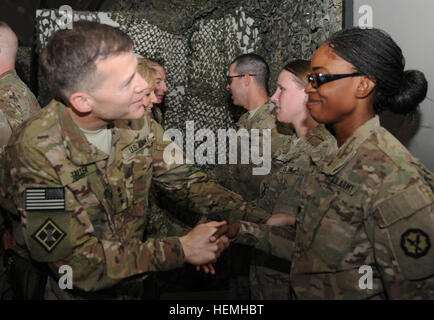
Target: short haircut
<point>300,69</point>
<point>146,71</point>
<point>254,64</point>
<point>68,61</point>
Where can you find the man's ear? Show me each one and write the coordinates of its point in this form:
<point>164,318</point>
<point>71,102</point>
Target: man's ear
<point>365,87</point>
<point>81,102</point>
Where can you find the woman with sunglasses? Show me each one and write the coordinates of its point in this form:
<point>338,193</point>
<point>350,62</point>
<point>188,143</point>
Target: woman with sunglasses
<point>365,225</point>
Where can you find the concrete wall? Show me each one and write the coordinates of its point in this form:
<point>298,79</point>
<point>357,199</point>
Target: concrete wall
<point>411,25</point>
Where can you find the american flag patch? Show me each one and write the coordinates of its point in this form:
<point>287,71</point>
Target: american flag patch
<point>45,199</point>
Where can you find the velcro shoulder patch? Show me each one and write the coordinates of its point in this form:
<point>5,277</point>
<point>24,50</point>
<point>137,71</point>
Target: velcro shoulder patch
<point>401,205</point>
<point>47,224</point>
<point>407,219</point>
<point>38,199</point>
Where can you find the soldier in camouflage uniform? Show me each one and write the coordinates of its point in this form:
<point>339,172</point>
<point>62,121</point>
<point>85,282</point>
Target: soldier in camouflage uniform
<point>247,83</point>
<point>364,228</point>
<point>156,212</point>
<point>280,192</point>
<point>79,175</point>
<point>17,103</point>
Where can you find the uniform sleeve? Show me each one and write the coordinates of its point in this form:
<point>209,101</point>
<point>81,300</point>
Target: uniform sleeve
<point>402,233</point>
<point>162,224</point>
<point>5,131</point>
<point>276,241</point>
<point>194,190</point>
<point>60,237</point>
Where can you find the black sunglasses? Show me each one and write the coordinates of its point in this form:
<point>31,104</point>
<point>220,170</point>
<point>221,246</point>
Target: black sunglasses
<point>318,79</point>
<point>229,78</point>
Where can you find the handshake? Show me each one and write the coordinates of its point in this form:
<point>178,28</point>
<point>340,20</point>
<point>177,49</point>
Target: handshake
<point>207,240</point>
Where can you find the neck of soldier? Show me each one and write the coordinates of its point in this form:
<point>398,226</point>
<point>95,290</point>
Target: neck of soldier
<point>5,67</point>
<point>87,121</point>
<point>303,125</point>
<point>256,98</point>
<point>361,113</point>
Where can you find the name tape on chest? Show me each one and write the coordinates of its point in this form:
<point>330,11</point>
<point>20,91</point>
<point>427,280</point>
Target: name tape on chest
<point>343,184</point>
<point>133,148</point>
<point>288,169</point>
<point>45,199</point>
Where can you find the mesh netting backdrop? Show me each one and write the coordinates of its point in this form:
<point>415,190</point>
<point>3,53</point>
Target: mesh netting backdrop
<point>196,41</point>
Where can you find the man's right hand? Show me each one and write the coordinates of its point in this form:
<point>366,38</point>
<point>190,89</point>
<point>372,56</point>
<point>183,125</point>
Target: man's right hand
<point>198,249</point>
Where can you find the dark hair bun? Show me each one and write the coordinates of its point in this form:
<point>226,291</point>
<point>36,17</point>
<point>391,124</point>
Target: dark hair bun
<point>413,91</point>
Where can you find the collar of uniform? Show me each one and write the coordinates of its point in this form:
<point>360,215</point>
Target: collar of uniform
<point>79,150</point>
<point>323,149</point>
<point>316,152</point>
<point>126,132</point>
<point>334,162</point>
<point>10,72</point>
<point>246,122</point>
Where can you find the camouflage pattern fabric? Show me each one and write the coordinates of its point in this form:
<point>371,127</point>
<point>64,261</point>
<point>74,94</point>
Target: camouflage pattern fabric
<point>370,203</point>
<point>157,114</point>
<point>101,201</point>
<point>239,177</point>
<point>17,103</point>
<point>280,192</point>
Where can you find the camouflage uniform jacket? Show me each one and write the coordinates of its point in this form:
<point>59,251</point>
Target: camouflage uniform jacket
<point>100,213</point>
<point>369,204</point>
<point>17,103</point>
<point>239,177</point>
<point>280,192</point>
<point>265,118</point>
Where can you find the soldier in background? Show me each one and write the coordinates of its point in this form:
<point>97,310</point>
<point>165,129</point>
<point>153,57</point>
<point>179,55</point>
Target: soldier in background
<point>247,83</point>
<point>159,108</point>
<point>79,176</point>
<point>162,223</point>
<point>280,192</point>
<point>17,103</point>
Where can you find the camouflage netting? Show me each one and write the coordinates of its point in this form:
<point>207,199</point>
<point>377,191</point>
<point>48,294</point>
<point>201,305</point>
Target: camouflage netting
<point>196,40</point>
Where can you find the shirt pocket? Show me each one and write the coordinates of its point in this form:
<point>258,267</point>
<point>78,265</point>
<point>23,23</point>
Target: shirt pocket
<point>331,225</point>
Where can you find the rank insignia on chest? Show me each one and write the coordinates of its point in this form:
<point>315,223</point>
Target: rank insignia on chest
<point>45,199</point>
<point>49,235</point>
